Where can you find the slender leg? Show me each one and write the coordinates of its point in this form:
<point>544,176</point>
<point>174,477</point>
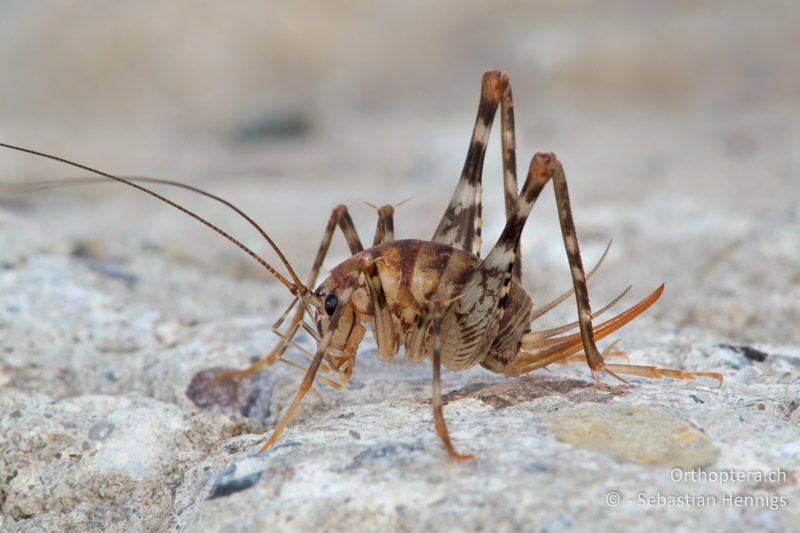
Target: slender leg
<point>368,268</point>
<point>537,351</point>
<point>580,358</point>
<point>461,223</point>
<point>334,384</point>
<point>308,379</point>
<point>384,232</point>
<point>437,311</point>
<point>656,373</point>
<point>470,325</point>
<point>593,357</point>
<point>510,186</point>
<point>386,338</point>
<point>546,308</point>
<point>284,339</point>
<point>339,217</point>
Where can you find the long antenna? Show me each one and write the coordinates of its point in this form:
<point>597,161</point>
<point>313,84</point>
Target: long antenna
<point>295,287</point>
<point>53,184</point>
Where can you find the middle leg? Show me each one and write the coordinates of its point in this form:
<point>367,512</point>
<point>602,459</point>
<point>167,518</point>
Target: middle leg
<point>537,352</point>
<point>436,308</point>
<point>384,231</point>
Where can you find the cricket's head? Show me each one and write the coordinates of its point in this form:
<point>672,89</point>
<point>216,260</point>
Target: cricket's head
<point>324,305</point>
<point>336,315</point>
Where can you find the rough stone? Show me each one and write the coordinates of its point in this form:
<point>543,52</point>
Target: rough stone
<point>636,433</point>
<point>678,126</point>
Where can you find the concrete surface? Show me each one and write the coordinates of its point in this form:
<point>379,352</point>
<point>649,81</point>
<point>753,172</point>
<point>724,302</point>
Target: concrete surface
<point>678,129</point>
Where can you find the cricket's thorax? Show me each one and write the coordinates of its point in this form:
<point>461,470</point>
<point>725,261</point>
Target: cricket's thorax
<point>411,273</point>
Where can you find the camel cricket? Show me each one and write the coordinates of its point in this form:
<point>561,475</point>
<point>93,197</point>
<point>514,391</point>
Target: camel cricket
<point>439,299</point>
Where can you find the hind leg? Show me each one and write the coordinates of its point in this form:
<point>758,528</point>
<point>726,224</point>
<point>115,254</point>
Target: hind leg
<point>570,237</point>
<point>461,223</point>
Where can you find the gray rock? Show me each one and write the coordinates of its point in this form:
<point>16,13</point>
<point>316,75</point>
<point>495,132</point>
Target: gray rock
<point>637,433</point>
<point>95,460</point>
<point>679,129</point>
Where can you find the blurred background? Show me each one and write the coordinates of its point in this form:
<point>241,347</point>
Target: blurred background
<point>678,124</point>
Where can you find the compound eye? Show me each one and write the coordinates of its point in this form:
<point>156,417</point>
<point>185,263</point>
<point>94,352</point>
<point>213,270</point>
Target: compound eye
<point>331,301</point>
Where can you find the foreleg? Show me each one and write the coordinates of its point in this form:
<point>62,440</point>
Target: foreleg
<point>308,379</point>
<point>339,217</point>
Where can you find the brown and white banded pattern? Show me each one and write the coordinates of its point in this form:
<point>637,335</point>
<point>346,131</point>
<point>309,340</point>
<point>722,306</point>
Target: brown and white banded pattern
<point>437,299</point>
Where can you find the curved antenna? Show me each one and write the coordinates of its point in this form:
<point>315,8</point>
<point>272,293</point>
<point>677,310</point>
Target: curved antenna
<point>293,287</point>
<point>53,184</point>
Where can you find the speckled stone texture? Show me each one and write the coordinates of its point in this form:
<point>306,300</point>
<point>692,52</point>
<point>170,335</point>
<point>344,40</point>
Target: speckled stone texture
<point>678,128</point>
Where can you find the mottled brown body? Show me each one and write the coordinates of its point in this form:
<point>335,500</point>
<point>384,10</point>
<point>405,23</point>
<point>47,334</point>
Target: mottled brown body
<point>412,272</point>
<point>437,299</point>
